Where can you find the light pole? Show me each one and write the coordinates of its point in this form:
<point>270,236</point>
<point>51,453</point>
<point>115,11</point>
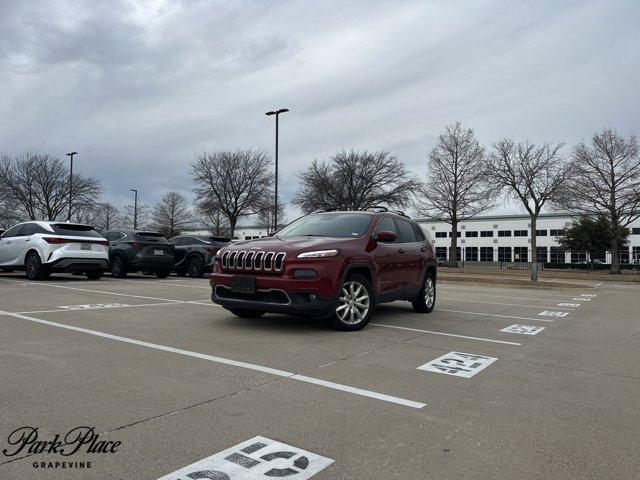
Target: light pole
<point>70,155</point>
<point>135,208</point>
<point>275,213</point>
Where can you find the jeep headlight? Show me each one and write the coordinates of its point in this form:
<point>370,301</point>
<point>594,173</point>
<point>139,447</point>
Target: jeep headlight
<point>319,254</point>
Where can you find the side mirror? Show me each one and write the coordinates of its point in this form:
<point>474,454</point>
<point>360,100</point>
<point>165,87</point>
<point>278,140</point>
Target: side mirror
<point>386,236</point>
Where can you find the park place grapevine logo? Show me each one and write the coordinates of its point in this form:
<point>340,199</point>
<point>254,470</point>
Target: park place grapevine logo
<point>27,442</point>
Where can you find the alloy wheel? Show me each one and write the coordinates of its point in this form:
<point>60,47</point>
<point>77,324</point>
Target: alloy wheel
<point>353,303</point>
<point>429,292</point>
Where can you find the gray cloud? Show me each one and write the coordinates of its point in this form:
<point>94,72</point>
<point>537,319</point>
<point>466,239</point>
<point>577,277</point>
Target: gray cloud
<point>139,88</point>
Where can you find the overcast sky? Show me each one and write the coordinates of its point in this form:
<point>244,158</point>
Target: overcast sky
<point>140,88</point>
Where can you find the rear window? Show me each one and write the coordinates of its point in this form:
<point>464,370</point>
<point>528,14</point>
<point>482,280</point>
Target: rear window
<point>75,230</point>
<point>151,237</point>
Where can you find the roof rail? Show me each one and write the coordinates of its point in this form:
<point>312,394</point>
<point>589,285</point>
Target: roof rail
<point>321,210</point>
<point>379,207</point>
<point>402,214</point>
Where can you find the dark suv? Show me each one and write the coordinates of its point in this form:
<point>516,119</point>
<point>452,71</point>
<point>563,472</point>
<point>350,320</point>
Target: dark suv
<point>337,265</point>
<point>136,251</point>
<point>194,254</point>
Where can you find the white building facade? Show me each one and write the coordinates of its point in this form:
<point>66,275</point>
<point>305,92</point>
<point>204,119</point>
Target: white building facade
<point>507,238</point>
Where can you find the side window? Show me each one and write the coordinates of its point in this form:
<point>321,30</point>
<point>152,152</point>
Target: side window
<point>419,233</point>
<point>175,241</point>
<point>407,235</point>
<point>13,231</point>
<point>28,229</point>
<point>386,224</point>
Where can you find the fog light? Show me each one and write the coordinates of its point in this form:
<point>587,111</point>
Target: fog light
<point>305,273</point>
<point>313,297</point>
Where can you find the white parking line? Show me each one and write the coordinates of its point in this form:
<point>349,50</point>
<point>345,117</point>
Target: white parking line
<point>100,308</point>
<point>164,283</point>
<point>42,284</point>
<point>506,304</point>
<point>227,361</point>
<point>447,286</point>
<point>493,315</point>
<point>541,299</point>
<point>446,334</point>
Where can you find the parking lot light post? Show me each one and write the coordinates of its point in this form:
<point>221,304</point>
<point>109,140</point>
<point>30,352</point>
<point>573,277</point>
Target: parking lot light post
<point>135,208</point>
<point>70,155</point>
<point>275,213</point>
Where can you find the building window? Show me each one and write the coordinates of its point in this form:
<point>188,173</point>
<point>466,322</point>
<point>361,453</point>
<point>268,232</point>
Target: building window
<point>504,254</point>
<point>542,254</point>
<point>520,233</point>
<point>635,231</point>
<point>457,234</point>
<point>556,232</point>
<point>521,254</point>
<point>441,234</point>
<point>636,255</point>
<point>486,254</point>
<point>441,253</point>
<point>623,255</point>
<point>541,233</point>
<point>578,257</point>
<point>504,233</point>
<point>557,255</point>
<point>470,234</point>
<point>471,254</point>
<point>486,233</point>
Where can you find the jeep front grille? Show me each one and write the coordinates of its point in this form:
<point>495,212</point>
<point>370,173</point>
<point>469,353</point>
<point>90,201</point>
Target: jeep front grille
<point>253,261</point>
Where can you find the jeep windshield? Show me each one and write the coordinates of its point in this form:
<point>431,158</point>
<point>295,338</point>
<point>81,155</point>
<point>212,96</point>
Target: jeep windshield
<point>345,225</point>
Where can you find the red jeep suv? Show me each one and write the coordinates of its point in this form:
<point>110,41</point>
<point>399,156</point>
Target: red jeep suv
<point>337,265</point>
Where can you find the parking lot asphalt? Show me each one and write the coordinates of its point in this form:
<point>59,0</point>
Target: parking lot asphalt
<point>155,365</point>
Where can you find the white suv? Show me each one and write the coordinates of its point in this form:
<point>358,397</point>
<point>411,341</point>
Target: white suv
<point>41,248</point>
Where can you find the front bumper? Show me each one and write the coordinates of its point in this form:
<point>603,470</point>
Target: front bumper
<point>77,264</point>
<point>274,295</point>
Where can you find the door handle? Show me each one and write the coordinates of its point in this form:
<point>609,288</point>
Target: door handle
<point>423,249</point>
<point>401,250</point>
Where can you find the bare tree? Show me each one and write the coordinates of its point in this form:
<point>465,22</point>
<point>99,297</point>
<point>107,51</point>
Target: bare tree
<point>355,180</point>
<point>605,180</point>
<point>265,214</point>
<point>105,216</point>
<point>128,214</point>
<point>236,182</point>
<point>40,184</point>
<point>532,175</point>
<point>457,186</point>
<point>171,213</point>
<point>213,218</point>
<point>10,213</point>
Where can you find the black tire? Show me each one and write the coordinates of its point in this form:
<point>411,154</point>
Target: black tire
<point>118,267</point>
<point>94,274</point>
<point>163,273</point>
<point>196,267</point>
<point>34,269</point>
<point>244,313</point>
<point>426,300</point>
<point>351,315</point>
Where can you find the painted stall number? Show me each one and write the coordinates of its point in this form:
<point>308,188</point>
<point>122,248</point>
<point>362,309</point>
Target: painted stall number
<point>258,458</point>
<point>458,364</point>
<point>523,329</point>
<point>93,306</point>
<point>582,299</point>
<point>547,313</point>
<point>568,304</point>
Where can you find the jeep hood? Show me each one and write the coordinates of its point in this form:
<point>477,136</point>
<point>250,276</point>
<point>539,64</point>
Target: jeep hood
<point>295,244</point>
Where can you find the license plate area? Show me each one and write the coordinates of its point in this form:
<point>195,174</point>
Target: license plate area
<point>243,285</point>
<point>158,252</point>
<point>85,246</point>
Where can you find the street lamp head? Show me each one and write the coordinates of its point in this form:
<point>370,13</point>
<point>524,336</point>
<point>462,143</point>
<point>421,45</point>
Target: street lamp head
<point>71,154</point>
<point>282,110</point>
<point>134,190</point>
<point>270,113</point>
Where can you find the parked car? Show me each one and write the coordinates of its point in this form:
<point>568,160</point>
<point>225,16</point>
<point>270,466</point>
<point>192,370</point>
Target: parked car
<point>139,251</point>
<point>194,254</point>
<point>337,265</point>
<point>41,248</point>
